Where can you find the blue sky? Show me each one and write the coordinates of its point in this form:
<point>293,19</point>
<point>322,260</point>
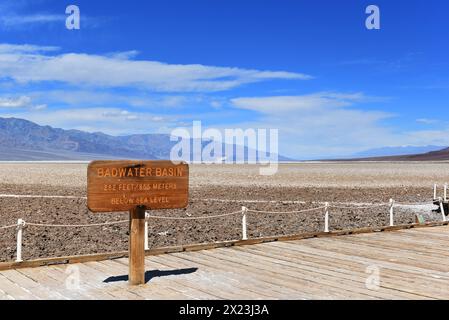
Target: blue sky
<point>308,68</point>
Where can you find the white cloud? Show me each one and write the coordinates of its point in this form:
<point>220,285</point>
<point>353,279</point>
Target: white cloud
<point>19,102</point>
<point>8,21</point>
<point>25,48</point>
<point>89,98</point>
<point>40,107</point>
<point>318,124</point>
<point>280,104</point>
<point>332,125</point>
<point>427,121</point>
<point>26,66</point>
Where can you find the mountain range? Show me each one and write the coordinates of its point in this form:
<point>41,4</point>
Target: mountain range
<point>397,151</point>
<point>23,140</point>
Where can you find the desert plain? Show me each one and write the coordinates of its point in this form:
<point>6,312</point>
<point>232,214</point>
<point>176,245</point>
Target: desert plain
<point>55,193</point>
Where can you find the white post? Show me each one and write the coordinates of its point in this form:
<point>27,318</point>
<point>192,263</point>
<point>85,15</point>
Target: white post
<point>326,217</point>
<point>20,224</point>
<point>435,191</point>
<point>442,208</point>
<point>146,231</point>
<point>445,192</point>
<point>244,235</point>
<point>391,212</point>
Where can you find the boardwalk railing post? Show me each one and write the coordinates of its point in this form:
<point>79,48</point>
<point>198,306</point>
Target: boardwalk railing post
<point>435,191</point>
<point>20,225</point>
<point>326,217</point>
<point>442,208</point>
<point>147,215</point>
<point>391,212</point>
<point>137,246</point>
<point>244,211</point>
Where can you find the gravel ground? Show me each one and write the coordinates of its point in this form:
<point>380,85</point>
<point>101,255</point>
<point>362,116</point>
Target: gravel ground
<point>214,190</point>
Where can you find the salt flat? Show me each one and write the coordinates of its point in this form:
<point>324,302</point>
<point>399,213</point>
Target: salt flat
<point>310,174</point>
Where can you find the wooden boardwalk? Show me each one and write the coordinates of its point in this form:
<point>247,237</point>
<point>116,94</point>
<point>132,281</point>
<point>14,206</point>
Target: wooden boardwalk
<point>410,264</point>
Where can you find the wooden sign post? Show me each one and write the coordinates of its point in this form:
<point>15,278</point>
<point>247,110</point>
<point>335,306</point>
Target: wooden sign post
<point>136,186</point>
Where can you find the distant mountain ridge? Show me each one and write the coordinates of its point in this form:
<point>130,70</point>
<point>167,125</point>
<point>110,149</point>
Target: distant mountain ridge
<point>23,140</point>
<point>75,144</point>
<point>397,151</point>
<point>440,155</point>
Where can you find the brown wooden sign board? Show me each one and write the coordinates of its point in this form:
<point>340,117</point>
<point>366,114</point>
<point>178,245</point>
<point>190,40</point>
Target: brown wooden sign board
<point>136,186</point>
<point>114,186</point>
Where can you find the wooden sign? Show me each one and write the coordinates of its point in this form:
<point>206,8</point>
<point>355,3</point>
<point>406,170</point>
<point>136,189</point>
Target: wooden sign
<point>124,185</point>
<point>136,186</point>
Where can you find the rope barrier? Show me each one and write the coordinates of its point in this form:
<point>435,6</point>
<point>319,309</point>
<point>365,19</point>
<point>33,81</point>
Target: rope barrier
<point>359,207</point>
<point>8,227</point>
<point>213,216</point>
<point>243,212</point>
<point>286,212</point>
<point>195,218</point>
<point>39,196</point>
<point>75,225</point>
<point>414,204</point>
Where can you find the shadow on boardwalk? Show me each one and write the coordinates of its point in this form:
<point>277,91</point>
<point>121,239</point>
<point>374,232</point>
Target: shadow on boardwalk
<point>153,274</point>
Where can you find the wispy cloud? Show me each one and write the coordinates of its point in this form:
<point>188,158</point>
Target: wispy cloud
<point>317,124</point>
<point>15,16</point>
<point>19,102</point>
<point>6,48</point>
<point>363,61</point>
<point>105,71</point>
<point>427,121</point>
<point>10,21</point>
<point>282,104</point>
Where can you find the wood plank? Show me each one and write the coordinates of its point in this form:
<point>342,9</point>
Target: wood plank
<point>329,279</point>
<point>90,284</point>
<point>217,281</point>
<point>255,277</point>
<point>385,254</point>
<point>44,277</point>
<point>156,291</point>
<point>116,289</point>
<point>180,286</point>
<point>202,282</point>
<point>39,290</point>
<point>14,290</point>
<point>391,287</point>
<point>307,247</point>
<point>405,245</point>
<point>348,264</point>
<point>270,288</point>
<point>292,279</point>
